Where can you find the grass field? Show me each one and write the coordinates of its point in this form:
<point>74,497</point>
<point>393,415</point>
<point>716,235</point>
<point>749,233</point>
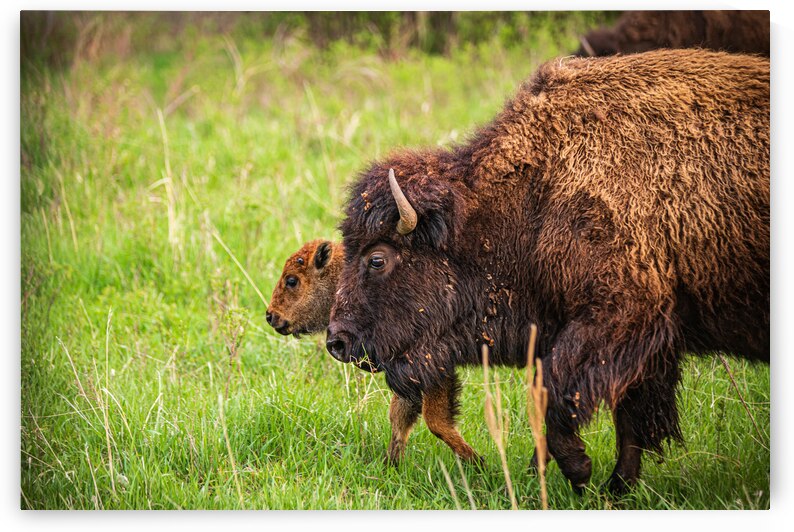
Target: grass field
<point>146,174</point>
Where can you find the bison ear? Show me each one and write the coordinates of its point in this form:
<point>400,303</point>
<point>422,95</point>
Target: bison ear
<point>439,216</point>
<point>433,229</point>
<point>322,255</point>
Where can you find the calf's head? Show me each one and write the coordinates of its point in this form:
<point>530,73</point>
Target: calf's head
<point>302,298</point>
<point>399,292</point>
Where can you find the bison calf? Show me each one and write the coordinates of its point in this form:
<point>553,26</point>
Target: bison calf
<point>619,203</point>
<point>301,301</point>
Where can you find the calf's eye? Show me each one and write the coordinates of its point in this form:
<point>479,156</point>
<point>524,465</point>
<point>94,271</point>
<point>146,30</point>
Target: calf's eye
<point>291,281</point>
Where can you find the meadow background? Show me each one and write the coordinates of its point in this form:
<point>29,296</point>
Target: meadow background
<point>170,163</point>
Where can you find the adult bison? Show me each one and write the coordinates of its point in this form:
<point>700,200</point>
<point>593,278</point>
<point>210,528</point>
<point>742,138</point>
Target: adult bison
<point>641,31</point>
<point>621,204</point>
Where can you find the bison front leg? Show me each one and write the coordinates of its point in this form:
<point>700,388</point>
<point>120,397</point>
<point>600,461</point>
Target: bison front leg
<point>439,407</point>
<point>569,407</point>
<point>403,414</point>
<point>569,451</point>
<point>534,462</point>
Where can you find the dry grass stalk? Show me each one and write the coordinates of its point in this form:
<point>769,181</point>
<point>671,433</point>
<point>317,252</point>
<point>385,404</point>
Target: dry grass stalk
<point>47,232</point>
<point>74,370</point>
<point>450,484</point>
<point>537,403</point>
<point>465,483</point>
<point>121,410</point>
<point>231,454</point>
<point>241,74</point>
<point>41,434</point>
<point>170,193</point>
<point>741,397</point>
<point>497,423</point>
<point>179,100</point>
<point>231,323</point>
<point>96,498</point>
<point>68,210</point>
<point>105,411</point>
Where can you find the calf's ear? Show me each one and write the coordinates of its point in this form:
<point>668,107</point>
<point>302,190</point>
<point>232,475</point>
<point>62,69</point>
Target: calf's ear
<point>322,255</point>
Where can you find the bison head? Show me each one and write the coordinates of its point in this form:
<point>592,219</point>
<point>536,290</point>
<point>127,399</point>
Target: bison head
<point>398,296</point>
<point>301,301</point>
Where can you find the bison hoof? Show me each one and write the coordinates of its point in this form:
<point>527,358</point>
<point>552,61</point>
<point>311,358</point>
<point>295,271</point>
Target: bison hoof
<point>577,474</point>
<point>533,463</point>
<point>395,454</point>
<point>618,486</point>
<point>474,459</point>
<point>578,488</point>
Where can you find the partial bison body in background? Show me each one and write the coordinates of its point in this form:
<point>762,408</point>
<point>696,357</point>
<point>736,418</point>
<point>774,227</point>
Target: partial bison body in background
<point>641,31</point>
<point>621,204</point>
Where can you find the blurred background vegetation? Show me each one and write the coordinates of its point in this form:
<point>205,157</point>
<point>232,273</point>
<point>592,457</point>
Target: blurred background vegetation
<point>164,154</point>
<point>59,38</point>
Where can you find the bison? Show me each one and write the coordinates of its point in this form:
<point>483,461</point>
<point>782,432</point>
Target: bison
<point>641,31</point>
<point>301,301</point>
<point>621,204</point>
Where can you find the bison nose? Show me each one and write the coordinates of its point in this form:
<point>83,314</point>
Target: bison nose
<point>278,323</point>
<point>338,345</point>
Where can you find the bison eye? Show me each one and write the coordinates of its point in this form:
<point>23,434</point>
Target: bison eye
<point>377,262</point>
<point>291,281</point>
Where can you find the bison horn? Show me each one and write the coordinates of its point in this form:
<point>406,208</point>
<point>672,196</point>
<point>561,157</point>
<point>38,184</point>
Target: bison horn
<point>408,216</point>
<point>586,46</point>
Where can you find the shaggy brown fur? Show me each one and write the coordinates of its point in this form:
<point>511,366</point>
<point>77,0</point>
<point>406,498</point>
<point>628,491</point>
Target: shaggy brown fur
<point>641,31</point>
<point>305,307</point>
<point>621,204</point>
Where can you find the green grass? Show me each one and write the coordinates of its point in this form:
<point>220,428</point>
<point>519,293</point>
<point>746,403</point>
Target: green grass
<point>128,300</point>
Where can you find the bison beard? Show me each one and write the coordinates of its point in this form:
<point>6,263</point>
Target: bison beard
<point>621,204</point>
